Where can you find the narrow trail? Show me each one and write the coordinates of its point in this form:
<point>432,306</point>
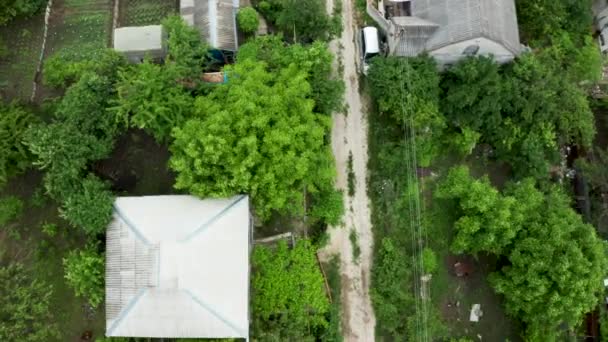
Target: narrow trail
<point>349,135</point>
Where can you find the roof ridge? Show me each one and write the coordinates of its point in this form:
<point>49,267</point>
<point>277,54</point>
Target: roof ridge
<point>130,224</point>
<point>217,315</point>
<point>213,219</point>
<point>125,311</point>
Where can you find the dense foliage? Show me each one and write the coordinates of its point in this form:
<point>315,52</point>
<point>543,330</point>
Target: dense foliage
<point>10,208</point>
<point>25,306</point>
<point>68,66</point>
<point>248,19</point>
<point>525,112</point>
<point>11,9</point>
<point>278,274</point>
<point>555,261</point>
<point>256,135</point>
<point>314,60</point>
<point>186,52</point>
<point>14,155</point>
<point>407,90</point>
<point>84,272</point>
<point>301,20</point>
<point>150,97</point>
<point>90,207</point>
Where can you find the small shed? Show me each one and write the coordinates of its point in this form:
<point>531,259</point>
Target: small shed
<point>137,42</point>
<point>178,267</point>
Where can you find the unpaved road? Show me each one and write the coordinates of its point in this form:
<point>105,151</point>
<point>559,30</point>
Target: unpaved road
<point>349,135</point>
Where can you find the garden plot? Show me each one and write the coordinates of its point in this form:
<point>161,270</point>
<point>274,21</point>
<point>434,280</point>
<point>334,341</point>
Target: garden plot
<point>19,61</point>
<point>145,12</point>
<point>79,24</point>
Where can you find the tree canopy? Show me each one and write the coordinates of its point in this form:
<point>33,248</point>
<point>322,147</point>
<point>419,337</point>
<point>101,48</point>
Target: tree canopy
<point>301,20</point>
<point>257,134</point>
<point>555,261</point>
<point>11,9</point>
<point>85,272</point>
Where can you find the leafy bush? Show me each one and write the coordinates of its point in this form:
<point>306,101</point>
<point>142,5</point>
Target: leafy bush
<point>14,155</point>
<point>302,20</point>
<point>84,272</point>
<point>429,260</point>
<point>10,209</point>
<point>328,206</point>
<point>90,207</point>
<point>69,65</point>
<point>150,98</point>
<point>25,306</point>
<point>186,52</point>
<point>10,9</point>
<point>278,274</point>
<point>248,19</point>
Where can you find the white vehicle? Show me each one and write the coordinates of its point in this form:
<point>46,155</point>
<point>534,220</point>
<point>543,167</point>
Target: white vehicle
<point>370,46</point>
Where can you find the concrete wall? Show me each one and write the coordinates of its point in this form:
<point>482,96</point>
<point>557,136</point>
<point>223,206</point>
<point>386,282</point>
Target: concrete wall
<point>453,53</point>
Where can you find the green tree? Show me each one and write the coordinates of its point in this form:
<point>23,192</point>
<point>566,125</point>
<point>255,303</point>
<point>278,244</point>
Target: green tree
<point>186,51</point>
<point>248,19</point>
<point>555,269</point>
<point>279,273</point>
<point>150,98</point>
<point>90,207</point>
<point>14,155</point>
<point>302,20</point>
<point>489,221</point>
<point>429,260</point>
<point>84,272</point>
<point>25,307</point>
<point>259,135</point>
<point>407,90</point>
<point>315,60</point>
<point>11,9</point>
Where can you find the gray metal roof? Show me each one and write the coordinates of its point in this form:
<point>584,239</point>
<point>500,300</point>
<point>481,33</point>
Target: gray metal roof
<point>457,21</point>
<point>138,41</point>
<point>178,266</point>
<point>216,20</point>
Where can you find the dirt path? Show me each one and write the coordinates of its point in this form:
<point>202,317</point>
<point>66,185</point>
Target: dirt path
<point>349,135</point>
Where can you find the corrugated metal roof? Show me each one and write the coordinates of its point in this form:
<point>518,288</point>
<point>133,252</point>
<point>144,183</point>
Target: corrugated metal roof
<point>178,266</point>
<point>216,20</point>
<point>457,21</point>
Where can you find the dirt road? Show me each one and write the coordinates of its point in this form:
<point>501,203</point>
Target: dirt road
<point>349,135</point>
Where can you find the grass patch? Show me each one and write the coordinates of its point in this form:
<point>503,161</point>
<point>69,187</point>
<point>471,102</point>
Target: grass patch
<point>352,180</point>
<point>145,12</point>
<point>22,40</point>
<point>354,241</point>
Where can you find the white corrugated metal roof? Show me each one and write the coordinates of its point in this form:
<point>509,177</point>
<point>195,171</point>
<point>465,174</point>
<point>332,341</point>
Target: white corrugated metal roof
<point>216,20</point>
<point>178,266</point>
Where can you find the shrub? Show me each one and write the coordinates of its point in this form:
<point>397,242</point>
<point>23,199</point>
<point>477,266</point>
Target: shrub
<point>10,209</point>
<point>25,307</point>
<point>84,272</point>
<point>69,65</point>
<point>14,155</point>
<point>10,9</point>
<point>90,206</point>
<point>248,19</point>
<point>429,260</point>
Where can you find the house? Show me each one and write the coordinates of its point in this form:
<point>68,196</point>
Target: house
<point>138,42</point>
<point>215,19</point>
<point>449,30</point>
<point>178,267</point>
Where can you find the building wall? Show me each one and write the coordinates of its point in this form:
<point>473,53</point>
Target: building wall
<point>453,53</point>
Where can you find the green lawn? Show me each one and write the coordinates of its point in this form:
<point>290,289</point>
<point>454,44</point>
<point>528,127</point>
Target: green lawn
<point>23,38</point>
<point>145,12</point>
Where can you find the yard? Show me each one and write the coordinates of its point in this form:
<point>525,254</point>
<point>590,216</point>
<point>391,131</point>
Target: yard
<point>451,297</point>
